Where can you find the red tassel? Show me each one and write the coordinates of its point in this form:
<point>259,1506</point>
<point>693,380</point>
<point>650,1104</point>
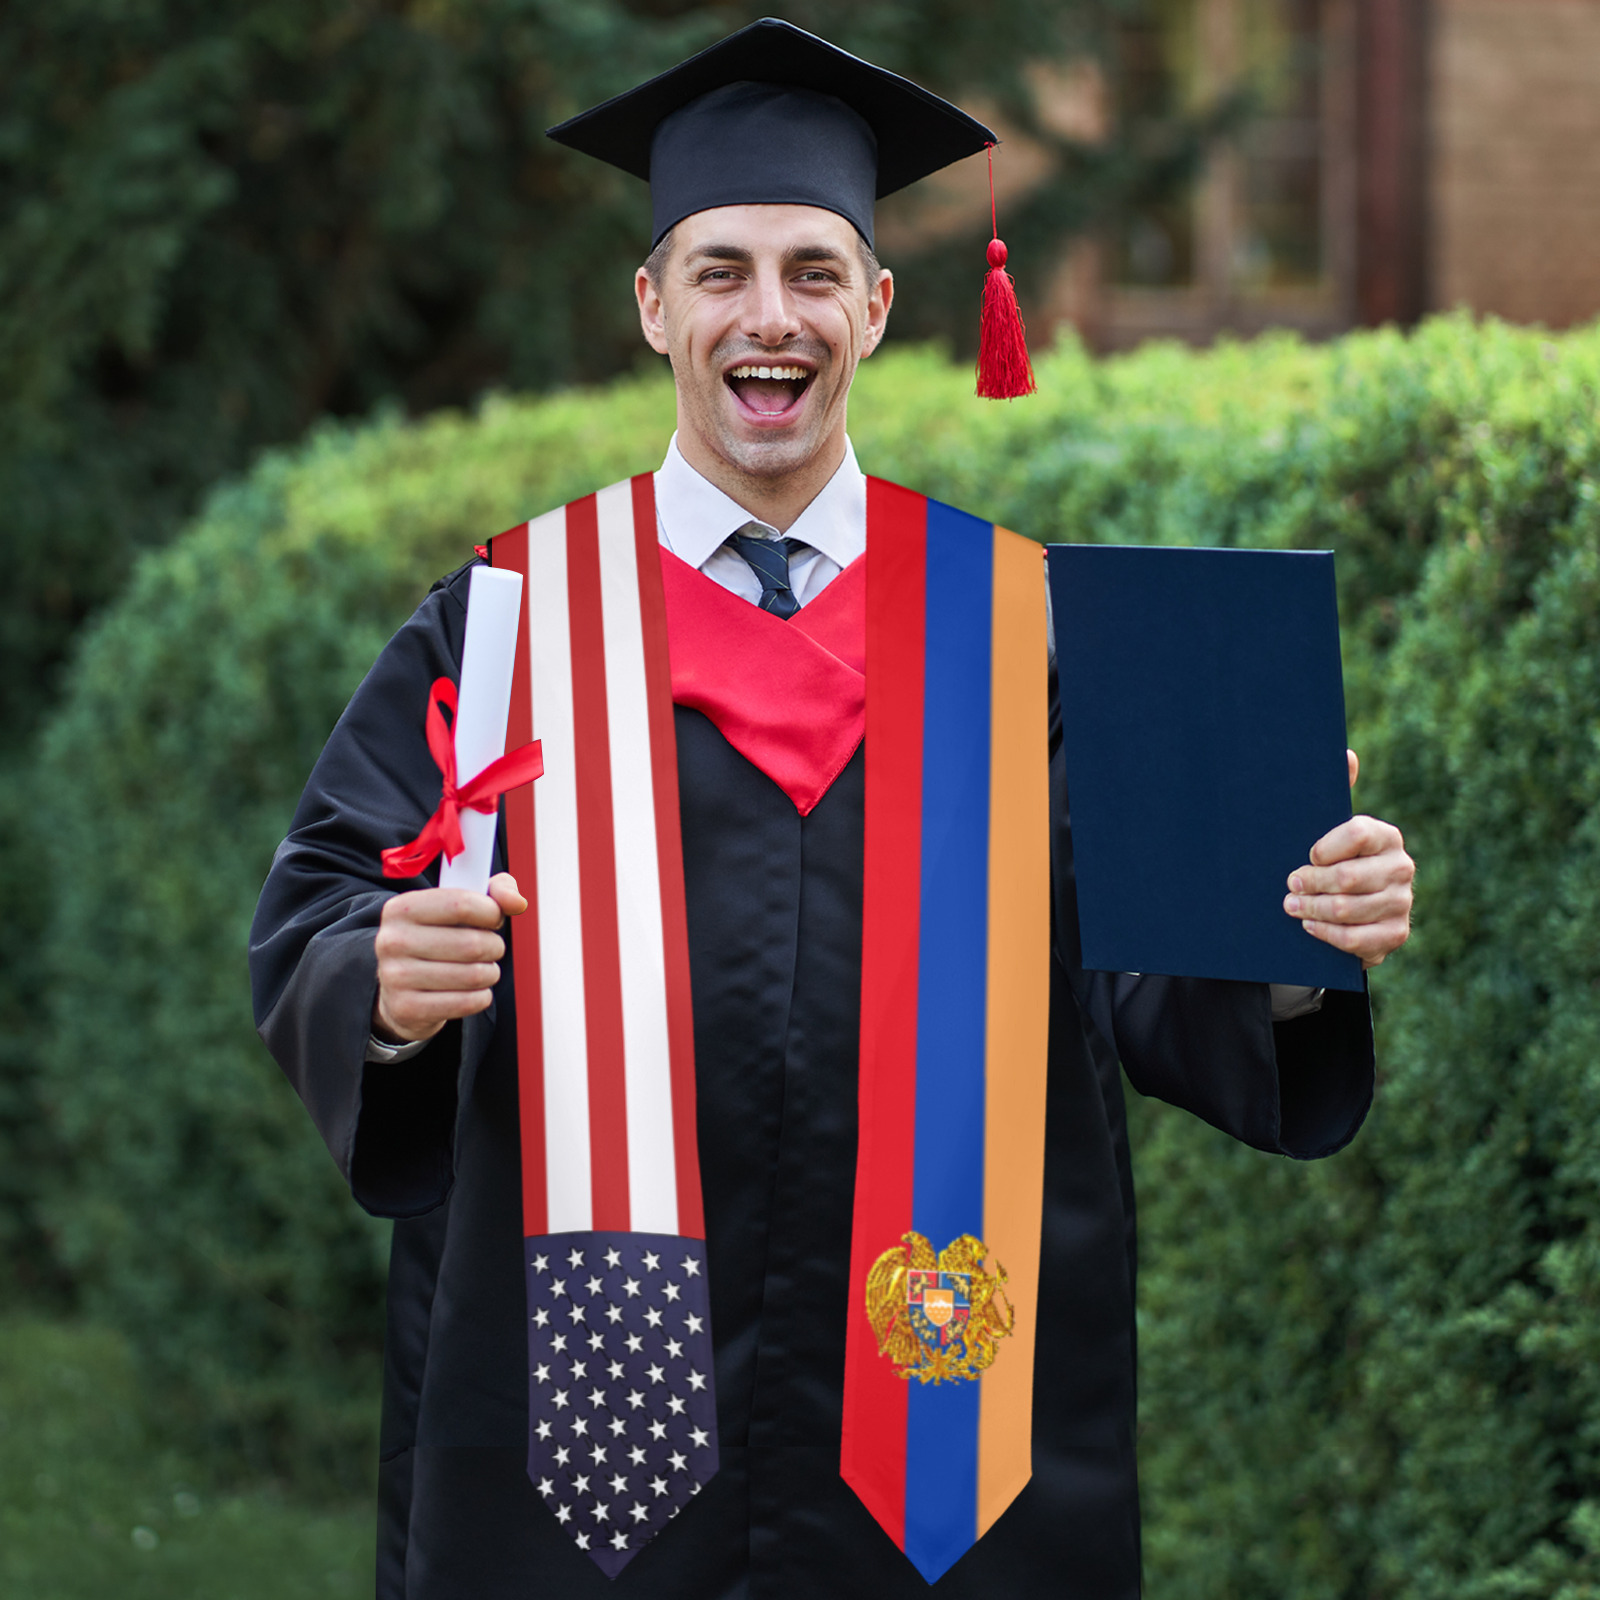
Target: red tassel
<point>1004,371</point>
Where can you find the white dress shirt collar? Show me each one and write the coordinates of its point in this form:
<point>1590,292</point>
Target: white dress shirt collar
<point>695,516</point>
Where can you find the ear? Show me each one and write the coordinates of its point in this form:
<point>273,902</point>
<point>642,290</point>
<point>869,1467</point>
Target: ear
<point>652,314</point>
<point>878,303</point>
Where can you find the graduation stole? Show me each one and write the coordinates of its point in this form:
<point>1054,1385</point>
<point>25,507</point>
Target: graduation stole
<point>947,628</point>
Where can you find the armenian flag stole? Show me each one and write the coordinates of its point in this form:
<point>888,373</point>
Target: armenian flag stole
<point>945,1253</point>
<point>938,1396</point>
<point>621,1399</point>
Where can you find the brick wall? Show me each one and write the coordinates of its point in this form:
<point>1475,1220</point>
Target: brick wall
<point>1514,158</point>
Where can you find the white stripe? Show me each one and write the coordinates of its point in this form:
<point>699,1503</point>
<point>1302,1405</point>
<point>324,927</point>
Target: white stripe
<point>652,1165</point>
<point>555,805</point>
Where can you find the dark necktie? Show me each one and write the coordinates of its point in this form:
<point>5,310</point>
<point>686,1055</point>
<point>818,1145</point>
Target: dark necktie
<point>769,560</point>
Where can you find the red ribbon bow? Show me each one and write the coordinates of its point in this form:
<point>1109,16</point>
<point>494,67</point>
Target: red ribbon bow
<point>442,831</point>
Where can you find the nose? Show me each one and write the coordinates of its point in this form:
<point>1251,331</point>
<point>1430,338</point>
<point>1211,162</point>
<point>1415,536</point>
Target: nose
<point>771,319</point>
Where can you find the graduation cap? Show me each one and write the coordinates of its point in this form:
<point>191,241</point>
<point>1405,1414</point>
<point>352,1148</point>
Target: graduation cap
<point>773,115</point>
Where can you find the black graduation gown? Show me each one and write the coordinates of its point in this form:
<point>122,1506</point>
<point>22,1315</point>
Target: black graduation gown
<point>774,910</point>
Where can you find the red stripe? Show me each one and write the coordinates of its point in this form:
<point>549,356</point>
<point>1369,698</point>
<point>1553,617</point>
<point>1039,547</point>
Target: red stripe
<point>510,550</point>
<point>874,1443</point>
<point>597,870</point>
<point>669,855</point>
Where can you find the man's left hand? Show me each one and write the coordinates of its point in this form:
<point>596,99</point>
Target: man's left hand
<point>1355,893</point>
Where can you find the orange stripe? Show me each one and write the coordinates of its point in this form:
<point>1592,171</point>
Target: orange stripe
<point>1018,1011</point>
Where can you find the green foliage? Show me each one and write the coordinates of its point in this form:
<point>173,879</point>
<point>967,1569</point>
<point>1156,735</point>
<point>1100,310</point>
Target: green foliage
<point>1373,1376</point>
<point>96,1500</point>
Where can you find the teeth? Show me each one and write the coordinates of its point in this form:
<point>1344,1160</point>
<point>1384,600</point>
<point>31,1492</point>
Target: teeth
<point>796,374</point>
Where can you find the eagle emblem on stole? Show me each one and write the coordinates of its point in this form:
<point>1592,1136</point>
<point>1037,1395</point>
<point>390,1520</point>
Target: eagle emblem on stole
<point>938,1317</point>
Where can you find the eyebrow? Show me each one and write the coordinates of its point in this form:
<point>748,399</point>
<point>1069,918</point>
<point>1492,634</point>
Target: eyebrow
<point>739,256</point>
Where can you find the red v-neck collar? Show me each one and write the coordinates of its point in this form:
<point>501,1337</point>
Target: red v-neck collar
<point>789,696</point>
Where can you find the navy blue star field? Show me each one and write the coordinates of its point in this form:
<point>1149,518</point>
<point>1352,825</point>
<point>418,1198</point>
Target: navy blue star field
<point>621,1400</point>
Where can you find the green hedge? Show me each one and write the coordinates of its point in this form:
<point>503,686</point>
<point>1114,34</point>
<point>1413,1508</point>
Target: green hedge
<point>1368,1377</point>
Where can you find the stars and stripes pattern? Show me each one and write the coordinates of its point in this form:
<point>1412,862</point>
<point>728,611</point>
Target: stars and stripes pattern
<point>620,1394</point>
<point>621,1406</point>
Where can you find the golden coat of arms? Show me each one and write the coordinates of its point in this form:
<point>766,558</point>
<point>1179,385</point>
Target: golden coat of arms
<point>938,1317</point>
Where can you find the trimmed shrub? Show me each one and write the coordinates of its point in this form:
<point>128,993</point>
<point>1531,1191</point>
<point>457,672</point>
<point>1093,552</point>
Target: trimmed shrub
<point>1370,1376</point>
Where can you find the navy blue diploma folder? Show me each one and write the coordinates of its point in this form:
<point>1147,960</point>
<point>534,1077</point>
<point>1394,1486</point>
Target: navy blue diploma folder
<point>1202,712</point>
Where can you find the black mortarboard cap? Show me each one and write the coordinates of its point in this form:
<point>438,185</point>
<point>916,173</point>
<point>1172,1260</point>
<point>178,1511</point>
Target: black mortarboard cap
<point>774,115</point>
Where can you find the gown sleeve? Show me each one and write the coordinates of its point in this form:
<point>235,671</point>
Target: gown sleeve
<point>1300,1088</point>
<point>313,965</point>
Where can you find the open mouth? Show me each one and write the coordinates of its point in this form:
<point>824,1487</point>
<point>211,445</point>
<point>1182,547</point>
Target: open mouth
<point>769,391</point>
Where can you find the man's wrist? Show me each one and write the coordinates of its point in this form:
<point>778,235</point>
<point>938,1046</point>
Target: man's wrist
<point>383,1053</point>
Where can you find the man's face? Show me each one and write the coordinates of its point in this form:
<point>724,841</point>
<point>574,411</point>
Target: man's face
<point>764,312</point>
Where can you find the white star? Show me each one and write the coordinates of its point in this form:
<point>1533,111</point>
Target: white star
<point>635,1344</point>
<point>632,1286</point>
<point>692,1323</point>
<point>541,1373</point>
<point>543,1430</point>
<point>619,1484</point>
<point>579,1370</point>
<point>575,1259</point>
<point>541,1318</point>
<point>541,1263</point>
<point>615,1369</point>
<point>580,1426</point>
<point>696,1380</point>
<point>653,1317</point>
<point>670,1290</point>
<point>563,1513</point>
<point>559,1343</point>
<point>613,1313</point>
<point>691,1266</point>
<point>619,1540</point>
<point>700,1437</point>
<point>594,1286</point>
<point>547,1486</point>
<point>636,1455</point>
<point>558,1287</point>
<point>597,1398</point>
<point>580,1484</point>
<point>659,1484</point>
<point>675,1404</point>
<point>694,1488</point>
<point>638,1512</point>
<point>575,1311</point>
<point>679,1462</point>
<point>597,1341</point>
<point>674,1349</point>
<point>559,1400</point>
<point>618,1427</point>
<point>651,1261</point>
<point>563,1455</point>
<point>658,1431</point>
<point>581,1540</point>
<point>635,1399</point>
<point>598,1454</point>
<point>654,1373</point>
<point>612,1258</point>
<point>601,1512</point>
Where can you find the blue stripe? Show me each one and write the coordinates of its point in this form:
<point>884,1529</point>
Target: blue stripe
<point>947,1182</point>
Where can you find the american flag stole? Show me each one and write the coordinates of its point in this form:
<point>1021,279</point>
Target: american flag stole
<point>938,1398</point>
<point>621,1398</point>
<point>945,1252</point>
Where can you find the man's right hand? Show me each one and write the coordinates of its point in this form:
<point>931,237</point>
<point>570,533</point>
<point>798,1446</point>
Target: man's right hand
<point>438,956</point>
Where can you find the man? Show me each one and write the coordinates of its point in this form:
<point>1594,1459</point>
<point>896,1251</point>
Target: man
<point>393,1015</point>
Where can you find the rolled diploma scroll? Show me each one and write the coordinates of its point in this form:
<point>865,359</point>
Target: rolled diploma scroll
<point>494,608</point>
